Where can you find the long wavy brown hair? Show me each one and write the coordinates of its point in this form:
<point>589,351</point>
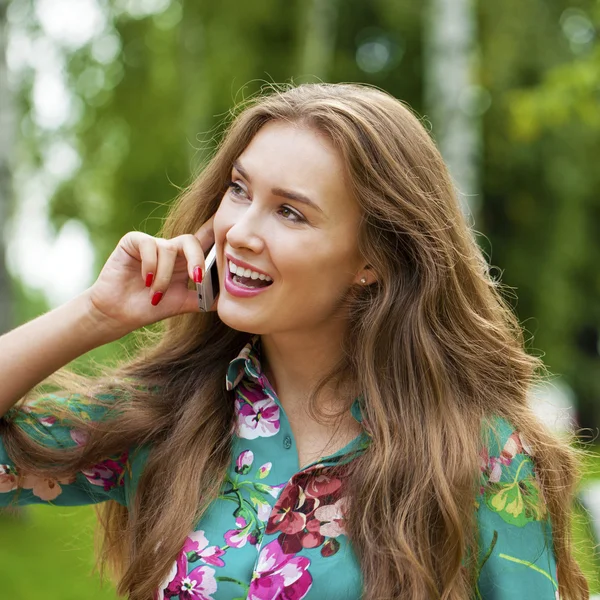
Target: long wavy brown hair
<point>433,345</point>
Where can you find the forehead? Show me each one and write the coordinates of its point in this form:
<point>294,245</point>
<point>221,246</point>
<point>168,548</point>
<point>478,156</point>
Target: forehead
<point>299,159</point>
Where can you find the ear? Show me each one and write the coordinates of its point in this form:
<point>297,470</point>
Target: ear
<point>367,273</point>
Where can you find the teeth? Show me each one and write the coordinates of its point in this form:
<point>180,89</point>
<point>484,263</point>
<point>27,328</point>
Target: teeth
<point>241,272</point>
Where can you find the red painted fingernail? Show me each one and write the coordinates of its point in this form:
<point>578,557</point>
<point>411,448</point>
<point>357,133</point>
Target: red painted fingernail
<point>156,298</point>
<point>198,274</point>
<point>149,279</point>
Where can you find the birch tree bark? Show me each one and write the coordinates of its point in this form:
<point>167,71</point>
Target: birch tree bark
<point>6,146</point>
<point>449,44</point>
<point>320,34</point>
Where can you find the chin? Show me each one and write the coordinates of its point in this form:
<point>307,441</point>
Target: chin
<point>237,321</point>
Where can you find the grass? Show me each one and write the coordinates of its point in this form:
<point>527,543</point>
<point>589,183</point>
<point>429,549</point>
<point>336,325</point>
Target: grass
<point>47,552</point>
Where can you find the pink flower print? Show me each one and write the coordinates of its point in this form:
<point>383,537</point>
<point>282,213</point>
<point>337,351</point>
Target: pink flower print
<point>259,418</point>
<point>47,421</point>
<point>331,518</point>
<point>330,547</point>
<point>264,470</point>
<point>78,436</point>
<point>236,538</point>
<point>310,508</point>
<point>107,474</point>
<point>263,510</point>
<point>311,537</point>
<point>493,464</point>
<point>279,576</point>
<point>496,470</point>
<point>483,459</point>
<point>198,584</point>
<point>511,448</point>
<point>276,489</point>
<point>272,490</point>
<point>196,548</point>
<point>45,488</point>
<point>244,461</point>
<point>322,485</point>
<point>289,513</point>
<point>8,478</point>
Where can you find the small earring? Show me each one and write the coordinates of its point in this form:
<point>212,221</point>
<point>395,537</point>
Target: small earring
<point>363,280</point>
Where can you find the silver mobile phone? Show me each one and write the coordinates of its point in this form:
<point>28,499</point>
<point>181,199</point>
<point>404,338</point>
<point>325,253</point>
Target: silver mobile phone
<point>209,288</point>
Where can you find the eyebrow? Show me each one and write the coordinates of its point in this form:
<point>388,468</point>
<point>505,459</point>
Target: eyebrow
<point>277,191</point>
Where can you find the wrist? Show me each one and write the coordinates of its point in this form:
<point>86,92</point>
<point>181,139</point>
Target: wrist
<point>94,325</point>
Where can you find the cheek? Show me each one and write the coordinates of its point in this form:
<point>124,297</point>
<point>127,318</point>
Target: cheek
<point>326,270</point>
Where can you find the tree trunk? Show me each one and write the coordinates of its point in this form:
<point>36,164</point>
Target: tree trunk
<point>319,42</point>
<point>6,152</point>
<point>449,42</point>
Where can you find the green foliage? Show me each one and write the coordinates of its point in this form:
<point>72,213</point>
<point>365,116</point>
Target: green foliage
<point>541,210</point>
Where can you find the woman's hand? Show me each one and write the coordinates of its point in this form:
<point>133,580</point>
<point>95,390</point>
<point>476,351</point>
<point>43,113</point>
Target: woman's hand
<point>146,279</point>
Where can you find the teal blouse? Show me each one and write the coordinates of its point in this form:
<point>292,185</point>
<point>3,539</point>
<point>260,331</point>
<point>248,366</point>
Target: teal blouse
<point>277,531</point>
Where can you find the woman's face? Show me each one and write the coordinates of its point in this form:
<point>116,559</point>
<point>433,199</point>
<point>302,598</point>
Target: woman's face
<point>309,250</point>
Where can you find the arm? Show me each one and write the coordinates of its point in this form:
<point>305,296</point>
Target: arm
<point>106,480</point>
<point>37,349</point>
<point>123,298</point>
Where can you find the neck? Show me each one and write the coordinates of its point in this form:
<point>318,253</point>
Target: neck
<point>295,361</point>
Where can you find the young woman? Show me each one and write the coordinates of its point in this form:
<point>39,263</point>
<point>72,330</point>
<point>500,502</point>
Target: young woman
<point>349,421</point>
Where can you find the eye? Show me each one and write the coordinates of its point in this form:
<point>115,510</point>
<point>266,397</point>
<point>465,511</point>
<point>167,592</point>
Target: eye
<point>298,218</point>
<point>238,190</point>
<point>235,188</point>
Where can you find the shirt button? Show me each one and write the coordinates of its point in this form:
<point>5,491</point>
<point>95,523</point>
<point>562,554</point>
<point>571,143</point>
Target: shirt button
<point>287,442</point>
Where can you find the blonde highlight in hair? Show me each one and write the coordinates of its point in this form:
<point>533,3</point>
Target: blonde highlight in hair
<point>432,345</point>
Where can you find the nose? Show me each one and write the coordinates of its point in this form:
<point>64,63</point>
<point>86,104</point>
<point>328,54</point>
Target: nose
<point>246,231</point>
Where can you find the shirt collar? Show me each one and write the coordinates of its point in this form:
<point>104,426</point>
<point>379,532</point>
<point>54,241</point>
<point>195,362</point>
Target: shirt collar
<point>247,363</point>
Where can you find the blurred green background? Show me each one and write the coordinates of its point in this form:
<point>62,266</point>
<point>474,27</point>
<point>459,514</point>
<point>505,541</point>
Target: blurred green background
<point>109,106</point>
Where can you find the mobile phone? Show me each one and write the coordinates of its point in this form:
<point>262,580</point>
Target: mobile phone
<point>209,288</point>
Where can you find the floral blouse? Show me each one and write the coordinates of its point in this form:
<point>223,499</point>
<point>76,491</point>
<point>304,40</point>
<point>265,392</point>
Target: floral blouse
<point>277,532</point>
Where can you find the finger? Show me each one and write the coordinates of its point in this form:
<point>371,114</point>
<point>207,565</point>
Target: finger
<point>206,234</point>
<point>149,255</point>
<point>131,241</point>
<point>167,254</point>
<point>194,255</point>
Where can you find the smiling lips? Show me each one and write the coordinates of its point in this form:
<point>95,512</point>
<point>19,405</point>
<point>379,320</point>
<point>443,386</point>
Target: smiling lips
<point>244,283</point>
<point>247,273</point>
